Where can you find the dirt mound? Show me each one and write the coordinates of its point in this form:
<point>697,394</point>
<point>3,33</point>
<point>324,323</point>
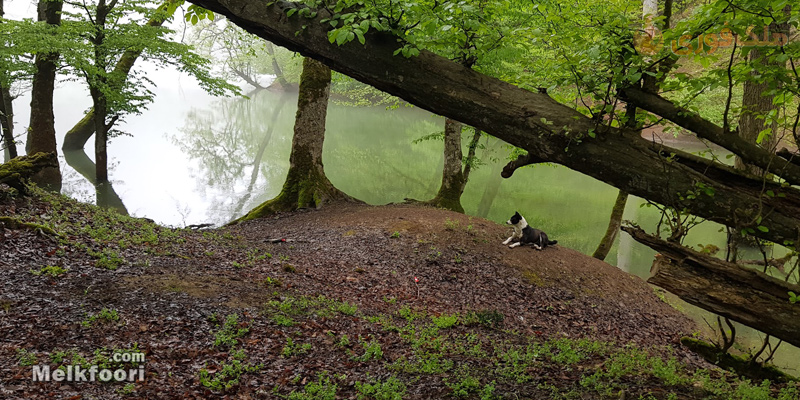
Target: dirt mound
<point>369,253</point>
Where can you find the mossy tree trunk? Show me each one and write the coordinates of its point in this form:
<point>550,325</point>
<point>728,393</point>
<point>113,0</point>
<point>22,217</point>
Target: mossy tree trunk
<point>42,130</point>
<point>756,100</point>
<point>454,178</point>
<point>306,185</point>
<point>18,170</point>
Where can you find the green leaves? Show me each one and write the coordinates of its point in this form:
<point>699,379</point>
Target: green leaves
<point>195,14</point>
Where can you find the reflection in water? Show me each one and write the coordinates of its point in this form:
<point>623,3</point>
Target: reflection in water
<point>242,149</point>
<point>233,137</point>
<point>107,197</point>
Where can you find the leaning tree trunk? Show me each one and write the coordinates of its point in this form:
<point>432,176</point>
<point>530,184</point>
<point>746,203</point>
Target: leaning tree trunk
<point>542,126</point>
<point>42,130</point>
<point>77,137</point>
<point>613,226</point>
<point>306,185</point>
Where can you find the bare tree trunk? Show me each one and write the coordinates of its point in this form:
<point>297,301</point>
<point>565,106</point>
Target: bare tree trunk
<point>6,110</point>
<point>99,100</point>
<point>613,226</point>
<point>7,122</point>
<point>490,191</point>
<point>42,130</point>
<point>306,185</point>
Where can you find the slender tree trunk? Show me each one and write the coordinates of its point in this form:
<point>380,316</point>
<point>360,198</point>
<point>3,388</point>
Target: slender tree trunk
<point>6,111</point>
<point>306,185</point>
<point>7,122</point>
<point>79,134</point>
<point>96,83</point>
<point>42,130</point>
<point>614,224</point>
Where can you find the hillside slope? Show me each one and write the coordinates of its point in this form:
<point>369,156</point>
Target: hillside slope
<point>357,302</point>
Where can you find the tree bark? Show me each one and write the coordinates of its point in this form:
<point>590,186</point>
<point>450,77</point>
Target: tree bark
<point>306,185</point>
<point>614,224</point>
<point>42,130</point>
<point>79,134</point>
<point>6,110</point>
<point>7,121</point>
<point>15,172</point>
<point>453,182</point>
<point>741,294</point>
<point>542,126</point>
<point>97,81</point>
<point>756,105</point>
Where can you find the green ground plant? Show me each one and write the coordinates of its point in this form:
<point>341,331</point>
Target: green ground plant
<point>104,316</point>
<point>321,389</point>
<point>229,332</point>
<point>49,270</point>
<point>390,389</point>
<point>291,348</point>
<point>229,373</point>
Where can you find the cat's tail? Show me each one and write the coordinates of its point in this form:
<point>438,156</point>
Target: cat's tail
<point>551,242</point>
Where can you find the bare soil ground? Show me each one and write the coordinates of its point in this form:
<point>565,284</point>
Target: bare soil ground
<point>525,323</point>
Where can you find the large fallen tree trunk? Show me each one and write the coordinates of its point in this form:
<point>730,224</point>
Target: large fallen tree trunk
<point>741,294</point>
<point>532,121</point>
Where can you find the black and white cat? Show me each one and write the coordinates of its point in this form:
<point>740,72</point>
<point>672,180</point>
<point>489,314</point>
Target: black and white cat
<point>524,234</point>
